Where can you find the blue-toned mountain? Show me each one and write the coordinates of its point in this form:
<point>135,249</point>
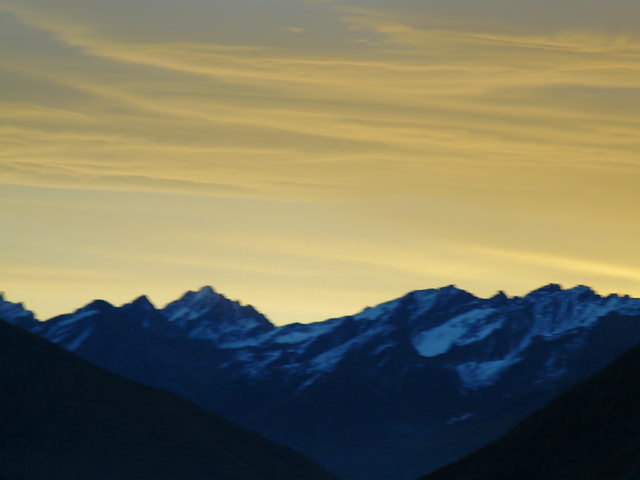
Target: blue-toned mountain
<point>389,393</point>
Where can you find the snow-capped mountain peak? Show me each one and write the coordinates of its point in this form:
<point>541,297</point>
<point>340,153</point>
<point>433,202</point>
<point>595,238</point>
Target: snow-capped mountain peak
<point>207,314</point>
<point>557,311</point>
<point>418,303</point>
<point>192,305</point>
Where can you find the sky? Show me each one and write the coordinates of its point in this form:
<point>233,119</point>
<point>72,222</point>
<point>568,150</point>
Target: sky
<point>314,157</point>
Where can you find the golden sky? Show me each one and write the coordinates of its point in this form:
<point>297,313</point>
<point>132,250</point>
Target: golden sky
<point>314,157</point>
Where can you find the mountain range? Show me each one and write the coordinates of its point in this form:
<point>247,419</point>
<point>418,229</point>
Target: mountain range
<point>389,393</point>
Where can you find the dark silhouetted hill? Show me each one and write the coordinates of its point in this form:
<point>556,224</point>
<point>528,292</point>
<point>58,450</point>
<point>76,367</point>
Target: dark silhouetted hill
<point>62,417</point>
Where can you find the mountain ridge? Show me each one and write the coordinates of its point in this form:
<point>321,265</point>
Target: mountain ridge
<point>499,294</point>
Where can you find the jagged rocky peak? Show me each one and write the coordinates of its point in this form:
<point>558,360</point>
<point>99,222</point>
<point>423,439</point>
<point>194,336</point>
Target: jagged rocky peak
<point>578,299</point>
<point>454,290</point>
<point>581,290</point>
<point>143,312</point>
<point>206,292</point>
<point>500,295</point>
<point>545,290</point>
<point>440,296</point>
<point>141,304</point>
<point>446,300</point>
<point>206,309</point>
<point>16,313</point>
<point>418,302</point>
<point>194,302</point>
<point>500,299</point>
<point>556,290</point>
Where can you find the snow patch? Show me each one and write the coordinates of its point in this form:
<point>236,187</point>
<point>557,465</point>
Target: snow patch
<point>326,361</point>
<point>578,307</point>
<point>463,329</point>
<point>460,418</point>
<point>383,347</point>
<point>483,374</point>
<point>74,317</point>
<point>303,332</point>
<point>309,381</point>
<point>75,343</point>
<point>424,301</point>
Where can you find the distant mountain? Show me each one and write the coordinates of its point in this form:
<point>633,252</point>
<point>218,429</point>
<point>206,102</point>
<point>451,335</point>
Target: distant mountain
<point>208,315</point>
<point>16,313</point>
<point>62,417</point>
<point>591,432</point>
<point>390,393</point>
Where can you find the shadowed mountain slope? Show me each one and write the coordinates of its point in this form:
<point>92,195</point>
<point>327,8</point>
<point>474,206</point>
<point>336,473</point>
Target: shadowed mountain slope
<point>62,417</point>
<point>592,432</point>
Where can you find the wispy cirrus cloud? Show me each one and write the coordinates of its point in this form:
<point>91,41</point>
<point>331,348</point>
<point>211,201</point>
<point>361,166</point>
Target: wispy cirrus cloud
<point>77,177</point>
<point>472,97</point>
<point>328,125</point>
<point>577,266</point>
<point>396,28</point>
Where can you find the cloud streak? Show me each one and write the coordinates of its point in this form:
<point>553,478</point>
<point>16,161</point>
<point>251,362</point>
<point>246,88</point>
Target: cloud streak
<point>576,266</point>
<point>329,126</point>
